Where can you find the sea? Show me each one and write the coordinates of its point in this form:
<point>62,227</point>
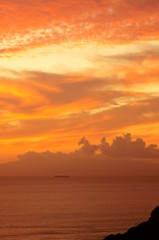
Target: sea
<point>74,208</point>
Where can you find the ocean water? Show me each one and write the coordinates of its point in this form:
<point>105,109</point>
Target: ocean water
<point>75,208</point>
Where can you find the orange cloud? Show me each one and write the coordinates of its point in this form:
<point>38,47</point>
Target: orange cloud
<point>29,23</point>
<point>72,68</point>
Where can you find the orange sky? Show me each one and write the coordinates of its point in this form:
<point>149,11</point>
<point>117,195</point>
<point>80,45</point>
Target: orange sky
<point>77,68</point>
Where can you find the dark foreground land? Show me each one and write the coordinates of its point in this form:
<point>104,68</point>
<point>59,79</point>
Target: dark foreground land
<point>145,231</point>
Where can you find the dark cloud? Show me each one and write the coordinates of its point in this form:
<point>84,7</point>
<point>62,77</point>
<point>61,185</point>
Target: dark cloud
<point>87,148</point>
<point>124,146</point>
<point>135,113</point>
<point>144,5</point>
<point>72,88</point>
<point>121,146</point>
<point>123,156</point>
<point>145,52</point>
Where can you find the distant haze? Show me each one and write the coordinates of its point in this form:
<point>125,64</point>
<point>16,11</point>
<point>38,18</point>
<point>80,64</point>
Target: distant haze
<point>123,156</point>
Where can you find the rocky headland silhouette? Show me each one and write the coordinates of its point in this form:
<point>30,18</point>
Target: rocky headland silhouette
<point>148,230</point>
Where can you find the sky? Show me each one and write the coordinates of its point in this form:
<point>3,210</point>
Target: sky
<point>70,69</point>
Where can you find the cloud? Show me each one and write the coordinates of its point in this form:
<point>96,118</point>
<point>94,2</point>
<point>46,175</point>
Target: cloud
<point>26,24</point>
<point>131,53</point>
<point>71,104</point>
<point>144,5</point>
<point>126,147</point>
<point>87,148</point>
<point>123,156</point>
<point>77,68</point>
<point>121,147</point>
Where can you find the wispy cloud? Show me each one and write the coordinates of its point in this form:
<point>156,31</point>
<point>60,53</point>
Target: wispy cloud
<point>74,67</point>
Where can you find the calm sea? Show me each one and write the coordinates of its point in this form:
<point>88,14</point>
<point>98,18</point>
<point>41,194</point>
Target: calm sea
<point>75,208</point>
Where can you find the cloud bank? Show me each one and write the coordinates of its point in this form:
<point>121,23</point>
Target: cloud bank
<point>121,147</point>
<point>123,156</point>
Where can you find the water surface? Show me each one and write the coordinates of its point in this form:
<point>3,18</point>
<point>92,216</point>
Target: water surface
<point>75,208</point>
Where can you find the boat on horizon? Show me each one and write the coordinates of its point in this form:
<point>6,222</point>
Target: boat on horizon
<point>61,176</point>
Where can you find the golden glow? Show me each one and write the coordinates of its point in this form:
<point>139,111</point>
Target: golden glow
<point>68,70</point>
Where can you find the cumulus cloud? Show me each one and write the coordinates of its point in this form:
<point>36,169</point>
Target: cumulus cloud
<point>123,156</point>
<point>108,92</point>
<point>124,146</point>
<point>121,147</point>
<point>87,148</point>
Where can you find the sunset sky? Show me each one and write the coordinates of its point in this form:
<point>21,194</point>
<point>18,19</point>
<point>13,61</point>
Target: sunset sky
<point>77,68</point>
